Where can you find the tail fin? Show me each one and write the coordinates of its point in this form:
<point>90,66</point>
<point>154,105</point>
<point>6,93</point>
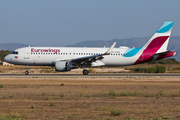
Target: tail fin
<point>159,41</point>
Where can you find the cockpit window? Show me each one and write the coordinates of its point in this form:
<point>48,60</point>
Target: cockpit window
<point>15,52</point>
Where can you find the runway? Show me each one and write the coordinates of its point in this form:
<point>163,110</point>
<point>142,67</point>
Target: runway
<point>96,75</point>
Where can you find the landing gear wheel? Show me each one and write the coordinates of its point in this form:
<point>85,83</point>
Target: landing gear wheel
<point>26,72</point>
<point>85,72</point>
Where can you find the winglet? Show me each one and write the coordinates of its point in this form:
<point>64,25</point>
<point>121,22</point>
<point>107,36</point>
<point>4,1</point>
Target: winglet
<point>108,52</point>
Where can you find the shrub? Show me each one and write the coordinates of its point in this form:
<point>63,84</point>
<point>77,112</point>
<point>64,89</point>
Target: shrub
<point>161,92</point>
<point>62,95</point>
<point>112,93</point>
<point>127,93</point>
<point>136,93</point>
<point>51,103</point>
<point>43,94</point>
<point>161,69</point>
<point>1,86</point>
<point>32,107</point>
<point>87,96</point>
<point>116,112</point>
<point>155,69</point>
<point>62,84</point>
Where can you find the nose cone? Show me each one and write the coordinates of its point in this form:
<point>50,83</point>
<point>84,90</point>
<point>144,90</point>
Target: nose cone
<point>6,58</point>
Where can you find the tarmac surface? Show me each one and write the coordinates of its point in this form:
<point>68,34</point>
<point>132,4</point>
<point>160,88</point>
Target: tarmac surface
<point>96,75</point>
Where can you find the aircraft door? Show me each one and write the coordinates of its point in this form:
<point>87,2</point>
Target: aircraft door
<point>26,53</point>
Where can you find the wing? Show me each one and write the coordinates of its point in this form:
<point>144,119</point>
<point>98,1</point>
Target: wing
<point>86,61</point>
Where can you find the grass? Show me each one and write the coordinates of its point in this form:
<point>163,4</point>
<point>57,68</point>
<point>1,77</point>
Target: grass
<point>112,93</point>
<point>20,113</point>
<point>81,94</point>
<point>87,97</point>
<point>1,86</point>
<point>24,86</point>
<point>9,118</point>
<point>43,94</point>
<point>161,92</point>
<point>61,95</point>
<point>102,93</point>
<point>46,98</point>
<point>91,70</point>
<point>51,104</point>
<point>126,93</point>
<point>115,113</point>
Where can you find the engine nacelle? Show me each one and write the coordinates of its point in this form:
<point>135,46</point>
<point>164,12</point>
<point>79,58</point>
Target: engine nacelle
<point>63,66</point>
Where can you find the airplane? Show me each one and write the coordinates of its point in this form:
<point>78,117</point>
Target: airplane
<point>67,58</point>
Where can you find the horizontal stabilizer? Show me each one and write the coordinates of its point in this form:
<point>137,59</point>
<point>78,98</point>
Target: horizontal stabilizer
<point>164,53</point>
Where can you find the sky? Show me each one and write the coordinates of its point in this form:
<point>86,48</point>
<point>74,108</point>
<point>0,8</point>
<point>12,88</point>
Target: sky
<point>65,22</point>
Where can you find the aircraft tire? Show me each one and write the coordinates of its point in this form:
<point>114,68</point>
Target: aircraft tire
<point>85,72</point>
<point>26,72</point>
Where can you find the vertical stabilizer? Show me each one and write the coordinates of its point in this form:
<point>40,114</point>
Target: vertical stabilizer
<point>157,43</point>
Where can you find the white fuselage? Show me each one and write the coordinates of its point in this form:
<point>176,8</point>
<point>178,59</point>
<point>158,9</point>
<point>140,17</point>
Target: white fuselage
<point>47,56</point>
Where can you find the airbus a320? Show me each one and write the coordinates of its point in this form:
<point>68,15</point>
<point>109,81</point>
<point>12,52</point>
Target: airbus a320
<point>68,58</point>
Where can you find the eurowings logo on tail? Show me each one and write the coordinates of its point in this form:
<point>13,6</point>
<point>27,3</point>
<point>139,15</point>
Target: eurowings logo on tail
<point>156,47</point>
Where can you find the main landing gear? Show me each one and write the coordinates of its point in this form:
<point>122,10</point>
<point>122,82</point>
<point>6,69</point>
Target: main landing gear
<point>85,72</point>
<point>27,72</point>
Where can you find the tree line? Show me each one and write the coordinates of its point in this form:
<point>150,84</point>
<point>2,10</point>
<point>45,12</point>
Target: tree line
<point>3,53</point>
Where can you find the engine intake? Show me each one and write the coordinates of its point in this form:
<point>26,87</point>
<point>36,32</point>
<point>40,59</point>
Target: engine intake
<point>63,66</point>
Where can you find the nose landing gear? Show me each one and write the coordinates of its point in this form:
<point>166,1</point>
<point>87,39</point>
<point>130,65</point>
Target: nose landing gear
<point>27,72</point>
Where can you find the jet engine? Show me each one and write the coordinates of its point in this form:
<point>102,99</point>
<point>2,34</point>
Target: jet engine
<point>63,66</point>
